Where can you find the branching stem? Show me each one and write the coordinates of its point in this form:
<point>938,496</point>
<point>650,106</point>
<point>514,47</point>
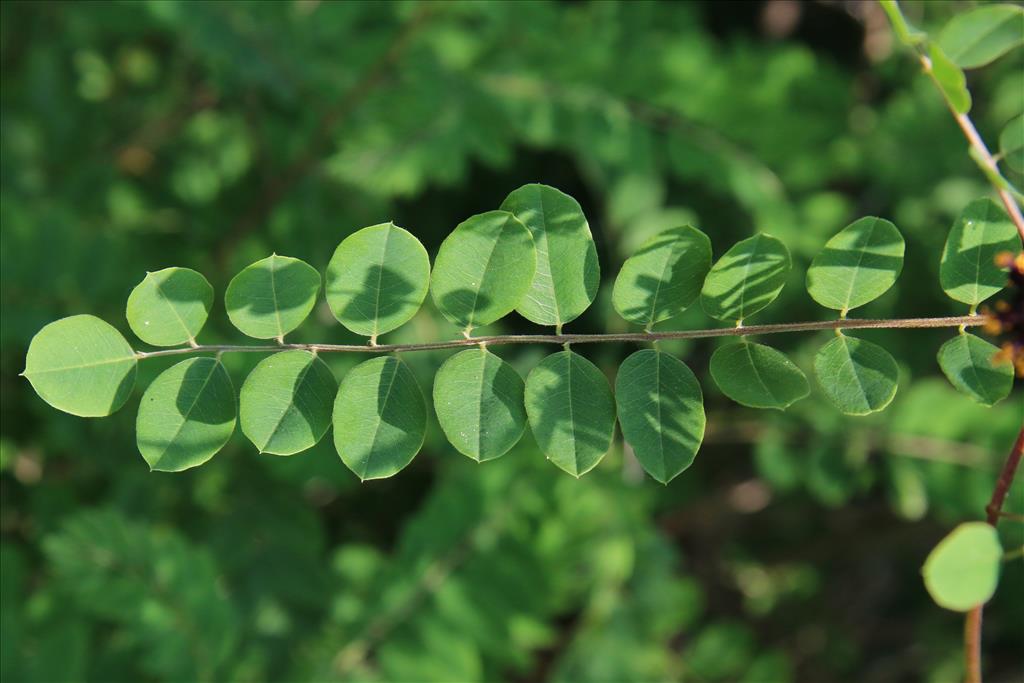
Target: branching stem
<point>750,330</point>
<point>994,509</point>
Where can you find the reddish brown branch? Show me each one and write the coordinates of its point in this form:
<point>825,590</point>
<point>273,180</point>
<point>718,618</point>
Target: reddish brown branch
<point>972,624</point>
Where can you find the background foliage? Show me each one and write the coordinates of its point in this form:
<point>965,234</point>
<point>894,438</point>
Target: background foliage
<point>135,136</point>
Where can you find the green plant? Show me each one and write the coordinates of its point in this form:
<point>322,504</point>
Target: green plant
<point>288,427</point>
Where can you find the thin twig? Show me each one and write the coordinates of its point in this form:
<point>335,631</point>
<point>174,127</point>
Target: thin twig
<point>979,149</point>
<point>750,330</point>
<point>972,624</point>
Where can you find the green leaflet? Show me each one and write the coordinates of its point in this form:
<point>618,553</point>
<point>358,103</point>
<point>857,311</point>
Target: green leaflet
<point>272,297</point>
<point>662,279</point>
<point>186,415</point>
<point>968,271</point>
<point>981,35</point>
<point>859,264</point>
<point>967,361</point>
<point>747,278</point>
<point>568,273</point>
<point>285,402</point>
<point>661,410</point>
<point>758,376</point>
<point>950,79</point>
<point>81,365</point>
<point>1011,144</point>
<point>962,571</point>
<point>377,279</point>
<point>857,376</point>
<point>380,418</point>
<point>478,398</point>
<point>169,307</point>
<point>483,269</point>
<point>571,411</point>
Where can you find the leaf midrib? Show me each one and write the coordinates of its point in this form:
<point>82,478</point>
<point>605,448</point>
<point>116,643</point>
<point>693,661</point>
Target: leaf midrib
<point>174,310</point>
<point>187,413</point>
<point>291,404</point>
<point>380,279</point>
<point>378,418</point>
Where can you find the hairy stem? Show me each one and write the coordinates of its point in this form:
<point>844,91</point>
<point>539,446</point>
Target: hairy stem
<point>994,509</point>
<point>847,324</point>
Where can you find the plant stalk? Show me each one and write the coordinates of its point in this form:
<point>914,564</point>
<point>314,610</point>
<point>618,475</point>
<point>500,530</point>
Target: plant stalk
<point>749,330</point>
<point>994,509</point>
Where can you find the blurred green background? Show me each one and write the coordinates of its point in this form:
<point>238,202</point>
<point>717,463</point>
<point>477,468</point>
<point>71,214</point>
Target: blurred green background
<point>141,135</point>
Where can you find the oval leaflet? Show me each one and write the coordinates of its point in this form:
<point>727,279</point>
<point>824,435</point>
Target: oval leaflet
<point>377,279</point>
<point>81,365</point>
<point>478,399</point>
<point>380,418</point>
<point>186,415</point>
<point>285,402</point>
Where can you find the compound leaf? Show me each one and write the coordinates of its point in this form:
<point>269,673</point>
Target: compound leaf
<point>272,297</point>
<point>758,376</point>
<point>285,402</point>
<point>568,273</point>
<point>186,415</point>
<point>161,591</point>
<point>377,279</point>
<point>571,411</point>
<point>169,307</point>
<point>747,278</point>
<point>969,364</point>
<point>661,410</point>
<point>380,418</point>
<point>962,571</point>
<point>859,377</point>
<point>1011,144</point>
<point>859,264</point>
<point>478,398</point>
<point>968,271</point>
<point>981,35</point>
<point>950,79</point>
<point>483,269</point>
<point>81,365</point>
<point>662,279</point>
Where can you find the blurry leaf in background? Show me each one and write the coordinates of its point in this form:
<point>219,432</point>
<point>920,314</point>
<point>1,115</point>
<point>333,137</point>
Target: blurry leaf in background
<point>158,590</point>
<point>950,79</point>
<point>186,415</point>
<point>285,402</point>
<point>272,297</point>
<point>81,365</point>
<point>963,569</point>
<point>568,273</point>
<point>1011,144</point>
<point>983,34</point>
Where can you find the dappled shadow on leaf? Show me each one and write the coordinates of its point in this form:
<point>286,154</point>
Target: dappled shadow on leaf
<point>200,397</point>
<point>763,277</point>
<point>578,444</point>
<point>181,286</point>
<point>865,256</point>
<point>267,290</point>
<point>462,305</point>
<point>384,291</point>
